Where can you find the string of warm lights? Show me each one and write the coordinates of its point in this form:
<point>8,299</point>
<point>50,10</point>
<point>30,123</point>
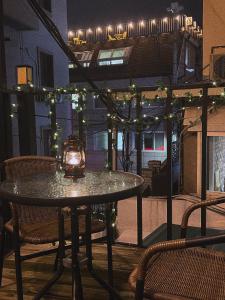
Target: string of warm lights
<point>143,26</point>
<point>51,97</point>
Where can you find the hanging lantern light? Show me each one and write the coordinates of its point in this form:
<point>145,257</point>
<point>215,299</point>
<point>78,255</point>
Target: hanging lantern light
<point>73,157</point>
<point>24,75</point>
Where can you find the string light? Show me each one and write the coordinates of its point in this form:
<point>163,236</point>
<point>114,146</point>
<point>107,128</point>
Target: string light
<point>71,33</point>
<point>89,31</point>
<point>165,20</point>
<point>80,32</point>
<point>120,26</point>
<point>142,23</point>
<point>131,25</point>
<point>109,28</point>
<point>99,29</point>
<point>153,21</point>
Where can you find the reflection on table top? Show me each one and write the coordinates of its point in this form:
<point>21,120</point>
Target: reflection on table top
<point>55,190</point>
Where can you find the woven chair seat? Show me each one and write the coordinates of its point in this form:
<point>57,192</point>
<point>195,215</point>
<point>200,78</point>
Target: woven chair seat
<point>47,231</point>
<point>184,274</point>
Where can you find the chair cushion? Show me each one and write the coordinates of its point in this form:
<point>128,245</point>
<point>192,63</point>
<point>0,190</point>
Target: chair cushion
<point>184,274</point>
<point>47,231</point>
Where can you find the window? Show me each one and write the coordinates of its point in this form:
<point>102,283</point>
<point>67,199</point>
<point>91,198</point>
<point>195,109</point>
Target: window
<point>101,141</point>
<point>84,58</point>
<point>154,141</point>
<point>46,69</point>
<point>46,4</point>
<point>114,56</point>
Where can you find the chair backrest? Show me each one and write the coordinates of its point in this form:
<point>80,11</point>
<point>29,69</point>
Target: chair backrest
<point>24,166</point>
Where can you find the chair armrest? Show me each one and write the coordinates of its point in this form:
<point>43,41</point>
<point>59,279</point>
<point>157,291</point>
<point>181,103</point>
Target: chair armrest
<point>192,208</point>
<point>174,245</point>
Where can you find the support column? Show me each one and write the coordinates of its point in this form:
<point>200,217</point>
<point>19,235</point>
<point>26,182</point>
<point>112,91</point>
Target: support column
<point>26,124</point>
<point>139,166</point>
<point>204,158</point>
<point>110,137</point>
<point>169,128</point>
<point>6,148</point>
<point>53,145</point>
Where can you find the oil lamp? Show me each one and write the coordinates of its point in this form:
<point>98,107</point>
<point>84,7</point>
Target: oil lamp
<point>73,158</point>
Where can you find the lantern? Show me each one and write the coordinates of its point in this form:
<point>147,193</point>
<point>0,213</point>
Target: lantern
<point>24,75</point>
<point>73,157</point>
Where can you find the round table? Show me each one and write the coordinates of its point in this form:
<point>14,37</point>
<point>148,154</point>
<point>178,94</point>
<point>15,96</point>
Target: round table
<point>55,190</point>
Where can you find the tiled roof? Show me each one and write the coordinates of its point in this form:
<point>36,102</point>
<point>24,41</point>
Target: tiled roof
<point>150,56</point>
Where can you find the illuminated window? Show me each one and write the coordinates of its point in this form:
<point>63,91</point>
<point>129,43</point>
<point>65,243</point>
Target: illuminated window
<point>84,58</point>
<point>154,141</point>
<point>114,56</point>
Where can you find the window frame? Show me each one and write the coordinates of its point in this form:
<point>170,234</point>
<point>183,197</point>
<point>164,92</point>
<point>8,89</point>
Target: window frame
<point>110,61</point>
<point>46,52</point>
<point>86,57</point>
<point>154,150</point>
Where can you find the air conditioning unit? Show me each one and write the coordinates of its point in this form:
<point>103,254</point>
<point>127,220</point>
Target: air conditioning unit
<point>217,67</point>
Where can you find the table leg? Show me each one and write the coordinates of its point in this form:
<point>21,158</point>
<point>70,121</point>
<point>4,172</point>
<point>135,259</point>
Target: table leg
<point>139,220</point>
<point>60,256</point>
<point>109,245</point>
<point>77,292</point>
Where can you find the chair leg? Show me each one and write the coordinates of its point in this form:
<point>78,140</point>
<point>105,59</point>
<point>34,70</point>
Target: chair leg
<point>109,245</point>
<point>56,260</point>
<point>2,245</point>
<point>139,294</point>
<point>18,261</point>
<point>88,240</point>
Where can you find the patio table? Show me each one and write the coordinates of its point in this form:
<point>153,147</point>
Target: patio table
<point>53,190</point>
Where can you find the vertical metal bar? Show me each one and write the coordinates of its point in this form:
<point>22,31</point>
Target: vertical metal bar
<point>109,245</point>
<point>110,137</point>
<point>80,119</point>
<point>204,157</point>
<point>139,167</point>
<point>53,145</point>
<point>77,291</point>
<point>6,147</point>
<point>16,244</point>
<point>169,164</point>
<point>27,124</point>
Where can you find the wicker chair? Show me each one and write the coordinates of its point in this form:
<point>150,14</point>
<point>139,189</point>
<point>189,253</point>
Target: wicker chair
<point>180,269</point>
<point>33,221</point>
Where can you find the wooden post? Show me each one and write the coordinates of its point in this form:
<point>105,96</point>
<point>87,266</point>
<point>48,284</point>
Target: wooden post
<point>169,129</point>
<point>6,147</point>
<point>139,166</point>
<point>204,157</point>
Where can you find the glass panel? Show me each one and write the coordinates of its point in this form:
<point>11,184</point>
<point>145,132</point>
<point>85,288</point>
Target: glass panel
<point>120,141</point>
<point>103,54</point>
<point>101,142</point>
<point>118,53</point>
<point>159,142</point>
<point>149,141</point>
<point>117,62</point>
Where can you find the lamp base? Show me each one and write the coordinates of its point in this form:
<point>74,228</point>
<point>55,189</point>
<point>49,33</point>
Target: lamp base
<point>74,174</point>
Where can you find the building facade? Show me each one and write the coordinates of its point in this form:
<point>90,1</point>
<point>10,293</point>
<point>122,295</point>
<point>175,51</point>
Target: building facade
<point>213,70</point>
<point>147,53</point>
<point>27,42</point>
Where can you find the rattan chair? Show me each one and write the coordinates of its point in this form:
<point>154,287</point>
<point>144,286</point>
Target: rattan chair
<point>180,269</point>
<point>37,225</point>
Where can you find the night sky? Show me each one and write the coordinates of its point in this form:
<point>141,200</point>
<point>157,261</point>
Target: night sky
<point>85,13</point>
